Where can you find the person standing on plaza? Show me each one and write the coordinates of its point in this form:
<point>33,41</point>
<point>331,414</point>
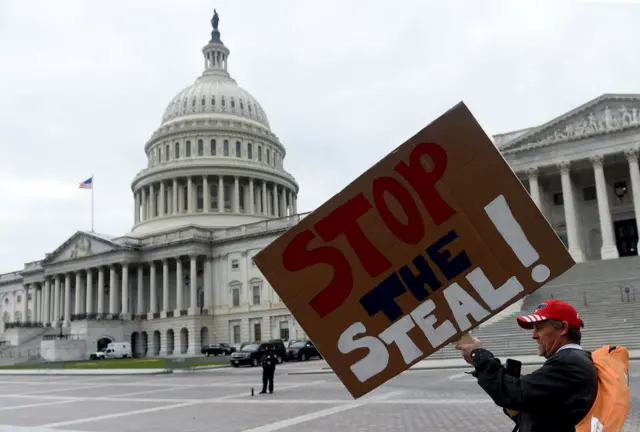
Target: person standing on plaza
<point>554,398</point>
<point>269,362</point>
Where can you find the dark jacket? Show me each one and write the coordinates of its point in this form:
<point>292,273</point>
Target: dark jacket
<point>553,398</point>
<point>269,361</point>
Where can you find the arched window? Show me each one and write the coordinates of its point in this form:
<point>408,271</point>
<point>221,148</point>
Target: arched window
<point>177,151</point>
<point>225,148</point>
<point>259,153</point>
<point>249,151</point>
<point>238,149</point>
<point>213,101</point>
<point>200,148</point>
<point>233,103</point>
<point>268,157</point>
<point>159,154</point>
<point>241,105</point>
<point>223,103</point>
<point>167,151</point>
<point>188,149</point>
<point>213,147</point>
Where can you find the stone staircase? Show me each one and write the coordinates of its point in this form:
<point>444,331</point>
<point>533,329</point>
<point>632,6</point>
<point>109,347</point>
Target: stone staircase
<point>26,351</point>
<point>603,292</point>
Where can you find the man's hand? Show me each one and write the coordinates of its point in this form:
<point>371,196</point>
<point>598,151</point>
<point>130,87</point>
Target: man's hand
<point>467,347</point>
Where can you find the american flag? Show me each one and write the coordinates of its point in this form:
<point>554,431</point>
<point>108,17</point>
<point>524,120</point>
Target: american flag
<point>87,184</point>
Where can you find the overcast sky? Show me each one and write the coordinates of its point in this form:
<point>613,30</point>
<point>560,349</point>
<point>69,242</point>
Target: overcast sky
<point>83,85</point>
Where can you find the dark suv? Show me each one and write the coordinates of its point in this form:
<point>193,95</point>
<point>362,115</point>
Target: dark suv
<point>302,350</point>
<point>217,349</point>
<point>251,354</point>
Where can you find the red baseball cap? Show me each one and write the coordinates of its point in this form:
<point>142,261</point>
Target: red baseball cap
<point>552,309</point>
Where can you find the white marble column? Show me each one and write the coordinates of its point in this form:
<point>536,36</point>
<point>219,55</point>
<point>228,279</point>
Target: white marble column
<point>236,195</point>
<point>571,221</point>
<point>143,191</point>
<point>89,295</point>
<point>125,289</point>
<point>276,201</point>
<point>163,192</point>
<point>206,195</point>
<point>609,249</point>
<point>56,300</point>
<point>179,287</point>
<point>112,289</point>
<point>37,304</point>
<point>634,173</point>
<point>46,318</point>
<point>77,307</point>
<point>193,284</point>
<point>165,287</point>
<point>220,193</point>
<point>265,200</point>
<point>174,197</point>
<point>190,195</point>
<point>152,202</point>
<point>25,302</point>
<point>208,287</point>
<point>251,209</point>
<point>534,187</point>
<point>153,298</point>
<point>101,290</point>
<point>67,300</point>
<point>136,213</point>
<point>140,291</point>
<point>283,202</point>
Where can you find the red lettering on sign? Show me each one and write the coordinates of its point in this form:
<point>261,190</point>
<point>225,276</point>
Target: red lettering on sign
<point>413,231</point>
<point>424,182</point>
<point>297,256</point>
<point>344,220</point>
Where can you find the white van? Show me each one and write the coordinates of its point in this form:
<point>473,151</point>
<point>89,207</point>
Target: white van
<point>114,350</point>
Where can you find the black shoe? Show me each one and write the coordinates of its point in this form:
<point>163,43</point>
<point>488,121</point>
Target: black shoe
<point>262,392</point>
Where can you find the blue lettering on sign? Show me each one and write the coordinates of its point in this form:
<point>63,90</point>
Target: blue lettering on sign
<point>382,297</point>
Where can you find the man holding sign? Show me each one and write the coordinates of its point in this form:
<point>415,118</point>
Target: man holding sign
<point>554,398</point>
<point>434,239</point>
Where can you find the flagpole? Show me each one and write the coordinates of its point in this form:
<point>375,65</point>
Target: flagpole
<point>92,186</point>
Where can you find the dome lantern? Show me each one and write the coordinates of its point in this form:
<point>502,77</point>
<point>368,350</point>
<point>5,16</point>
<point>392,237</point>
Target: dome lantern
<point>215,52</point>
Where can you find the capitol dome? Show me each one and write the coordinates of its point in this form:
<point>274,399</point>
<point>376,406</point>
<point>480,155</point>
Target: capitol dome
<point>213,162</point>
<point>214,93</point>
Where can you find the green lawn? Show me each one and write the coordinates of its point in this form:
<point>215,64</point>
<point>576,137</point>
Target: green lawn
<point>143,363</point>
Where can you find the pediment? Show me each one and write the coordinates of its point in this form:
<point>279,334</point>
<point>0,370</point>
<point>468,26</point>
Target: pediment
<point>82,244</point>
<point>603,115</point>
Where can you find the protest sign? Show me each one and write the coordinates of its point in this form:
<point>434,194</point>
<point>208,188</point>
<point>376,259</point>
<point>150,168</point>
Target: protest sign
<point>434,239</point>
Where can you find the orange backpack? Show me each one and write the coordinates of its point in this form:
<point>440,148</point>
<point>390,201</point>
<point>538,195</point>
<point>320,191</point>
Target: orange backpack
<point>612,404</point>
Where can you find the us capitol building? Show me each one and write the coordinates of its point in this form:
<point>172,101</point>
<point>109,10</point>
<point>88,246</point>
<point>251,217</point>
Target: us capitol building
<point>215,192</point>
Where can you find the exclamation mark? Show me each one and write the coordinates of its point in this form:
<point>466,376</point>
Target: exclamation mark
<point>500,214</point>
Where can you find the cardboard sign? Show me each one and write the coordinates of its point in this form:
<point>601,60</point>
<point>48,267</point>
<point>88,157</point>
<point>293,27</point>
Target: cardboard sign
<point>434,239</point>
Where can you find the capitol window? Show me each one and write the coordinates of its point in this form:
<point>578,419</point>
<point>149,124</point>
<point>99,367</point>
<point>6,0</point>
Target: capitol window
<point>241,105</point>
<point>259,154</point>
<point>558,199</point>
<point>213,147</point>
<point>203,102</point>
<point>256,294</point>
<point>222,98</point>
<point>167,151</point>
<point>268,157</point>
<point>236,297</point>
<point>233,103</point>
<point>238,149</point>
<point>188,149</point>
<point>235,264</point>
<point>177,151</point>
<point>213,101</point>
<point>225,148</point>
<point>200,148</point>
<point>249,151</point>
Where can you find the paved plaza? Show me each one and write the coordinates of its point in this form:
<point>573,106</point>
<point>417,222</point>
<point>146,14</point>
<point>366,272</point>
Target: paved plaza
<point>220,400</point>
